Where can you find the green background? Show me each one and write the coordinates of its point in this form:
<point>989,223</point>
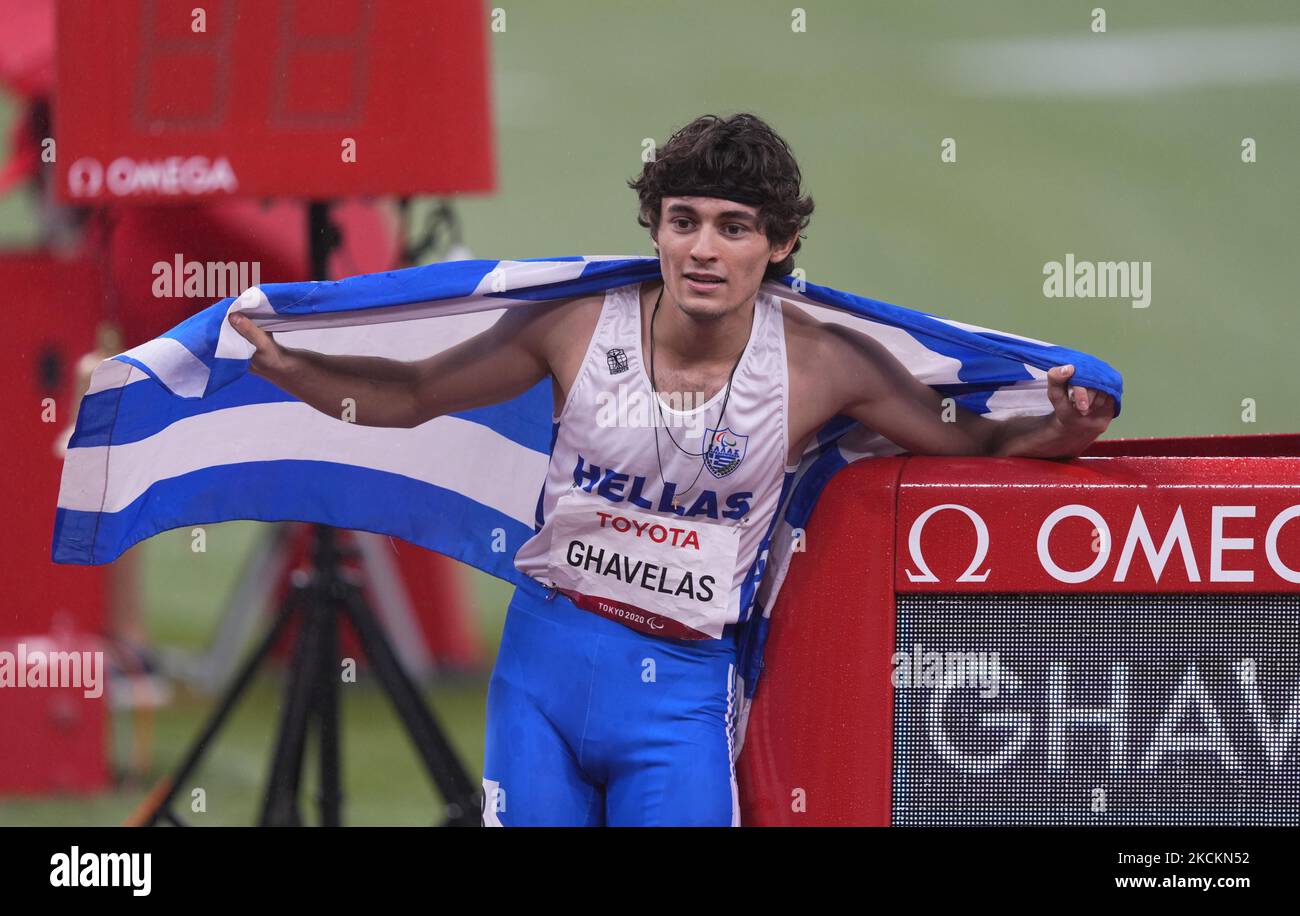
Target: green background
<point>864,97</point>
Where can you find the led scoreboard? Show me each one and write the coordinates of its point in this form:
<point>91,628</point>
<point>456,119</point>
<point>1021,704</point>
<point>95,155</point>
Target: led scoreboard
<point>161,100</point>
<point>1110,640</point>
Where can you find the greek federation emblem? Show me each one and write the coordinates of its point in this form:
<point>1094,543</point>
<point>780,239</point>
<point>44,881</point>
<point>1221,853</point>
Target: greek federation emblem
<point>616,360</point>
<point>725,452</point>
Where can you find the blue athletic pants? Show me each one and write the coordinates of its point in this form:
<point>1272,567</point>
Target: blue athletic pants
<point>592,723</point>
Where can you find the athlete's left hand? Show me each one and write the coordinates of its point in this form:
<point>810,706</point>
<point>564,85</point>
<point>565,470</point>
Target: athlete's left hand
<point>1082,414</point>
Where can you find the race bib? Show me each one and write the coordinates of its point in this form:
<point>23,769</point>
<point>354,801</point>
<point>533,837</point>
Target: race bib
<point>662,575</point>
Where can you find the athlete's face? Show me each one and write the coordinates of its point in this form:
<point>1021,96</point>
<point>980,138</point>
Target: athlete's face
<point>713,254</point>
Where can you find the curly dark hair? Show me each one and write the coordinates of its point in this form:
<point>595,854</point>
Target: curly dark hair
<point>737,158</point>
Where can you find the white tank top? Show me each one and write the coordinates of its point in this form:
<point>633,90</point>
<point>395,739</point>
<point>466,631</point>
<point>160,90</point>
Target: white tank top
<point>650,551</point>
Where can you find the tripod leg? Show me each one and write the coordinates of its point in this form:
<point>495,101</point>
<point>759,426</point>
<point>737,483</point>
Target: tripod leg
<point>439,759</point>
<point>280,804</point>
<point>330,795</point>
<point>228,702</point>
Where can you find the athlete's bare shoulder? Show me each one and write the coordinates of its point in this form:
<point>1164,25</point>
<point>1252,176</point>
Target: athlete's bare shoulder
<point>801,328</point>
<point>806,338</point>
<point>559,331</point>
<point>545,328</point>
<point>817,346</point>
<point>564,327</point>
<point>834,365</point>
<point>824,359</point>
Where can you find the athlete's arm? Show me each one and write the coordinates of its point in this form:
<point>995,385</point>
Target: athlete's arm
<point>501,362</point>
<point>377,390</point>
<point>498,364</point>
<point>879,392</point>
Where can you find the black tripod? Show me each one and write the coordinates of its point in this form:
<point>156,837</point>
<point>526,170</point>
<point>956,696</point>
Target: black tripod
<point>324,594</point>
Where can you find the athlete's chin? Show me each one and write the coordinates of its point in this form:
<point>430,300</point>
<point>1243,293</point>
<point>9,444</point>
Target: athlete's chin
<point>704,311</point>
<point>704,306</point>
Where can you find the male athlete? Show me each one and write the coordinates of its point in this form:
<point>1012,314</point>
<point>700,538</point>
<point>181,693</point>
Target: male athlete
<point>613,696</point>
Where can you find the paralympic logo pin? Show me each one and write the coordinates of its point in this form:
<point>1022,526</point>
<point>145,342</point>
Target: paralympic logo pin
<point>725,452</point>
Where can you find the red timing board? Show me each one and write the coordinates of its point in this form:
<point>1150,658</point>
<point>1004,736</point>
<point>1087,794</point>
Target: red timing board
<point>261,98</point>
<point>1124,592</point>
<point>1135,524</point>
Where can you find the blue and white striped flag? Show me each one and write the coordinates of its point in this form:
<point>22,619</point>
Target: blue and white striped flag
<point>177,432</point>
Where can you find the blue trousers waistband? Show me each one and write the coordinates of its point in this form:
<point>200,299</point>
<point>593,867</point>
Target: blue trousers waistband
<point>538,599</point>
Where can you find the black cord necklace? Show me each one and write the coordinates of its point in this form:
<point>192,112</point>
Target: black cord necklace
<point>654,394</point>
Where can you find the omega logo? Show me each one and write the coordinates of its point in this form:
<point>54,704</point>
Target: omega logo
<point>981,545</point>
<point>1138,541</point>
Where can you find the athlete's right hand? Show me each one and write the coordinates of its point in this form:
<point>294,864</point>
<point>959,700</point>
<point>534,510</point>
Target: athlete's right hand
<point>269,358</point>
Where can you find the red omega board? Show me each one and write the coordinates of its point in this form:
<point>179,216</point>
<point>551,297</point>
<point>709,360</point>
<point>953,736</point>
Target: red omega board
<point>994,641</point>
<point>161,100</point>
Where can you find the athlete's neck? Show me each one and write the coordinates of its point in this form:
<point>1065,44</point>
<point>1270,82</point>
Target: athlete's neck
<point>691,341</point>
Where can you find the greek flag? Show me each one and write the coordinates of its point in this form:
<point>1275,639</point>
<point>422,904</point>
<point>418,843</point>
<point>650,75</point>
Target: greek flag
<point>176,432</point>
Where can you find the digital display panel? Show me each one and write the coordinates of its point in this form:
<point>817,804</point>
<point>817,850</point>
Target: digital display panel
<point>167,101</point>
<point>1096,709</point>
